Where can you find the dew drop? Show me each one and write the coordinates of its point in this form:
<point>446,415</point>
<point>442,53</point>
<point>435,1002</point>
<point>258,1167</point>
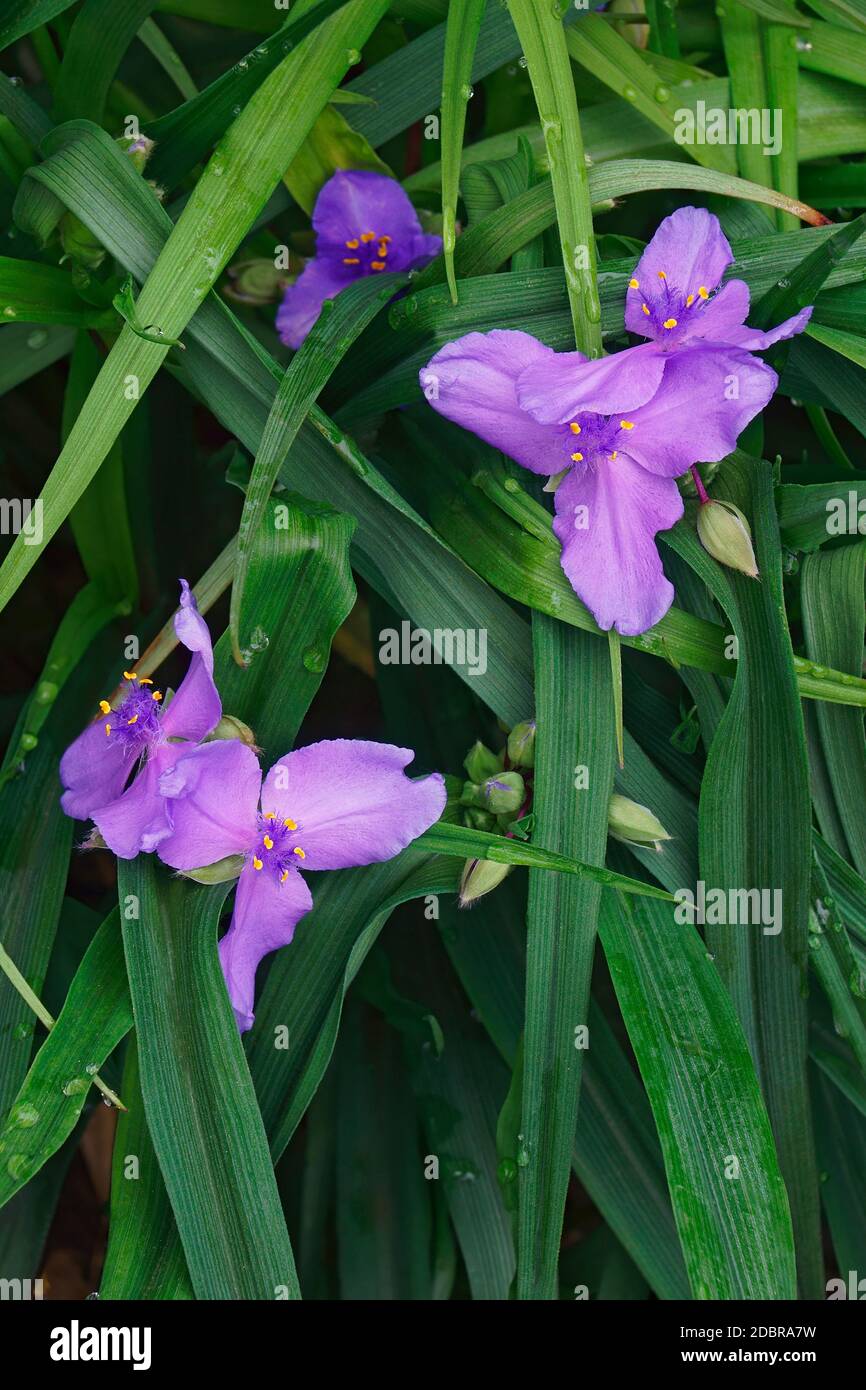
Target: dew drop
<point>353,57</point>
<point>314,659</point>
<point>18,1166</point>
<point>662,93</point>
<point>629,93</point>
<point>24,1116</point>
<point>37,339</point>
<point>76,1086</point>
<point>46,693</point>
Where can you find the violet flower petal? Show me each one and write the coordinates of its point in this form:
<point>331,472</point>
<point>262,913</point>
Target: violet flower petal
<point>196,707</point>
<point>554,391</point>
<point>472,382</point>
<point>94,770</point>
<point>212,795</point>
<point>320,279</point>
<point>266,913</point>
<point>688,252</point>
<point>138,821</point>
<point>753,340</point>
<point>351,802</point>
<point>357,201</point>
<point>707,398</point>
<point>606,520</point>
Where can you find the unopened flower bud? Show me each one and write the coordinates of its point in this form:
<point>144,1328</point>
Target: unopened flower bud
<point>480,763</point>
<point>477,819</point>
<point>232,727</point>
<point>480,876</point>
<point>79,243</point>
<point>634,824</point>
<point>725,532</point>
<point>504,793</point>
<point>259,281</point>
<point>137,150</point>
<point>521,744</point>
<point>220,872</point>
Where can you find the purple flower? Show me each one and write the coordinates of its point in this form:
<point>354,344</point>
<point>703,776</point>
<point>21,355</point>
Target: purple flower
<point>331,805</point>
<point>364,224</point>
<point>95,768</point>
<point>632,423</point>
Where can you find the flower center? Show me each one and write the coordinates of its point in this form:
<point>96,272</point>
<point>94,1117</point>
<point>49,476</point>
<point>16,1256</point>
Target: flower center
<point>670,310</point>
<point>367,253</point>
<point>593,438</point>
<point>277,850</point>
<point>135,722</point>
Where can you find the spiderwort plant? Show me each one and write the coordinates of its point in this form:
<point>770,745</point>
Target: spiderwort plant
<point>625,438</point>
<point>141,739</point>
<point>332,805</point>
<point>364,225</point>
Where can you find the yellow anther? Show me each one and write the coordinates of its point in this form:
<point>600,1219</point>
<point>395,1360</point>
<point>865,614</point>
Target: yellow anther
<point>270,815</point>
<point>156,695</point>
<point>385,238</point>
<point>268,842</point>
<point>368,236</point>
<point>690,301</point>
<point>145,680</point>
<point>133,720</point>
<point>577,458</point>
<point>290,824</point>
<point>613,455</point>
<point>107,730</point>
<point>377,265</point>
<point>574,427</point>
<point>669,323</point>
<point>645,309</point>
<point>383,248</point>
<point>257,863</point>
<point>299,852</point>
<point>351,260</point>
<point>105,706</point>
<point>353,245</point>
<point>284,875</point>
<point>626,424</point>
<point>633,284</point>
<point>662,275</point>
<point>130,676</point>
<point>703,292</point>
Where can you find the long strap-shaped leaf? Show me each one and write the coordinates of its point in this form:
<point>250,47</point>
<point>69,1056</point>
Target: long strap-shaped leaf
<point>461,36</point>
<point>201,1108</point>
<point>229,194</point>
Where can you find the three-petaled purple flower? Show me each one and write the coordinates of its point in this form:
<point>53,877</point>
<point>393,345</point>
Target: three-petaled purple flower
<point>364,225</point>
<point>134,738</point>
<point>331,805</point>
<point>626,426</point>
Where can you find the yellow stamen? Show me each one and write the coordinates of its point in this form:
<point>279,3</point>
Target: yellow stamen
<point>633,284</point>
<point>690,301</point>
<point>270,815</point>
<point>626,424</point>
<point>156,695</point>
<point>574,427</point>
<point>268,842</point>
<point>351,260</point>
<point>284,875</point>
<point>133,720</point>
<point>645,309</point>
<point>299,852</point>
<point>669,323</point>
<point>368,236</point>
<point>290,824</point>
<point>378,265</point>
<point>105,706</point>
<point>383,248</point>
<point>384,238</point>
<point>577,458</point>
<point>662,275</point>
<point>145,680</point>
<point>613,455</point>
<point>257,863</point>
<point>107,730</point>
<point>130,676</point>
<point>353,245</point>
<point>703,292</point>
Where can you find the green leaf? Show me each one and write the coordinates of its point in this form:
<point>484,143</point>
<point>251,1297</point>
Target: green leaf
<point>99,37</point>
<point>199,1100</point>
<point>36,293</point>
<point>574,749</point>
<point>96,1015</point>
<point>461,36</point>
<point>332,144</point>
<point>23,16</point>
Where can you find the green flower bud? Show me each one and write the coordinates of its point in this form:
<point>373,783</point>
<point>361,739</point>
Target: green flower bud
<point>504,793</point>
<point>138,150</point>
<point>258,281</point>
<point>477,819</point>
<point>220,872</point>
<point>521,744</point>
<point>480,876</point>
<point>724,531</point>
<point>79,243</point>
<point>480,763</point>
<point>634,824</point>
<point>232,727</point>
